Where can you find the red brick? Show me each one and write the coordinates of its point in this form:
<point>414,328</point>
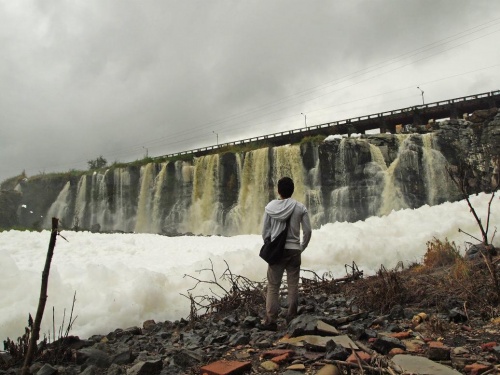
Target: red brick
<point>476,369</point>
<point>276,353</point>
<point>436,344</point>
<point>486,347</point>
<point>362,355</point>
<point>281,358</point>
<point>395,351</point>
<point>225,368</point>
<point>401,335</point>
<point>438,351</point>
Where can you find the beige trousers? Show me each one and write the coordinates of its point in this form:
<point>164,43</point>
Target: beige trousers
<point>291,263</point>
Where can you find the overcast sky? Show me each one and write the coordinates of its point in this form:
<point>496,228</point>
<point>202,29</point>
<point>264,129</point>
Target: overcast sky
<point>80,79</point>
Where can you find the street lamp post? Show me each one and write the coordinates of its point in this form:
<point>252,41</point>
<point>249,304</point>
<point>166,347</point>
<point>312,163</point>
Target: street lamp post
<point>217,135</point>
<point>418,87</point>
<point>305,119</point>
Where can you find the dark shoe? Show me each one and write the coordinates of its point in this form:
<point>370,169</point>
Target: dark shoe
<point>267,326</point>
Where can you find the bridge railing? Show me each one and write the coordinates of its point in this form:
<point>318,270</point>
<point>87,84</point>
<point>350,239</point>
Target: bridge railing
<point>352,121</point>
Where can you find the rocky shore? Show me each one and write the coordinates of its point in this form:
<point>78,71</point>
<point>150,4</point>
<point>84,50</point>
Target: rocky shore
<point>331,335</point>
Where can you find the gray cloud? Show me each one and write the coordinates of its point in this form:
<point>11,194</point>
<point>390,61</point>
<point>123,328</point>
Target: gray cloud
<point>83,79</point>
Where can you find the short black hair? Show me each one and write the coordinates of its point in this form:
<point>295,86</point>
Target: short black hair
<point>285,187</point>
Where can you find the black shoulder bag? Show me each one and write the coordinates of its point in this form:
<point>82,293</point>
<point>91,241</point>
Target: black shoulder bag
<point>272,251</point>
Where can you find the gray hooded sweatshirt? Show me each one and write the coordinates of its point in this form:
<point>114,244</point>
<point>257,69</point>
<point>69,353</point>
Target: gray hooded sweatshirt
<point>277,213</point>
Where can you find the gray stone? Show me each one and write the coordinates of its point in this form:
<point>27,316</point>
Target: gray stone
<point>313,340</point>
<point>123,356</point>
<point>239,338</point>
<point>185,358</point>
<point>338,353</point>
<point>230,321</point>
<point>496,351</point>
<point>146,368</point>
<point>90,370</point>
<point>250,321</point>
<point>311,325</point>
<point>47,370</point>
<point>115,369</point>
<point>35,367</point>
<point>397,312</point>
<point>91,356</point>
<point>326,329</point>
<point>422,366</point>
<point>457,315</point>
<point>357,330</point>
<point>384,344</point>
<point>217,337</point>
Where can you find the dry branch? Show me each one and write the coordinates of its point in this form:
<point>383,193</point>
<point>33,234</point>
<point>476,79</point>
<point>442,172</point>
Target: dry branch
<point>43,299</point>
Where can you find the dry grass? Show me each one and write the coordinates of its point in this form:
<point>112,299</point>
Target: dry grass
<point>444,279</point>
<point>440,253</point>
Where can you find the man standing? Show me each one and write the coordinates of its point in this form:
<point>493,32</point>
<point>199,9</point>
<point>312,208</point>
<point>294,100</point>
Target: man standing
<point>276,214</point>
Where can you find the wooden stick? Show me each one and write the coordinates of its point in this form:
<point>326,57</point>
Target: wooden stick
<point>43,299</point>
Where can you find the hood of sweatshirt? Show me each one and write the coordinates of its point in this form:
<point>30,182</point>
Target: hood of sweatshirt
<point>280,209</point>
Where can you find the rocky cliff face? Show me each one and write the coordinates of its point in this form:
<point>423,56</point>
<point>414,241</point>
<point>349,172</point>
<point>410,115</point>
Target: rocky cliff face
<point>339,179</point>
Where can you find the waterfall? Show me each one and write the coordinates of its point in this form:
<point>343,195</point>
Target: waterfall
<point>340,204</point>
<point>158,190</point>
<point>60,207</point>
<point>288,162</point>
<point>340,197</point>
<point>314,199</point>
<point>377,157</point>
<point>179,196</point>
<point>253,195</point>
<point>375,173</point>
<point>341,163</point>
<point>81,203</point>
<point>392,196</point>
<point>314,204</point>
<point>122,217</point>
<point>144,207</point>
<point>343,179</point>
<point>437,181</point>
<point>99,206</point>
<point>205,214</point>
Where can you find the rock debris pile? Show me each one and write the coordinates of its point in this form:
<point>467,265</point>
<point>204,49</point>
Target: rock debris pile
<point>331,335</point>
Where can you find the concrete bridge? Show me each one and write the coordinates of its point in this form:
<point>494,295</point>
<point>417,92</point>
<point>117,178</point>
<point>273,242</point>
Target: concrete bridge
<point>385,121</point>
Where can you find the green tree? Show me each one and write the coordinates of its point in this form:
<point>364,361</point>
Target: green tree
<point>98,163</point>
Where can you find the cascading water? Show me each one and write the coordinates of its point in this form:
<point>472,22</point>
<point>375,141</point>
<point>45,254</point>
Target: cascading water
<point>158,190</point>
<point>345,179</point>
<point>122,217</point>
<point>392,196</point>
<point>288,162</point>
<point>375,172</point>
<point>144,219</point>
<point>340,209</point>
<point>205,212</point>
<point>246,217</point>
<point>60,207</point>
<point>179,197</point>
<point>81,203</point>
<point>314,198</point>
<point>437,180</point>
<point>340,200</point>
<point>99,207</point>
